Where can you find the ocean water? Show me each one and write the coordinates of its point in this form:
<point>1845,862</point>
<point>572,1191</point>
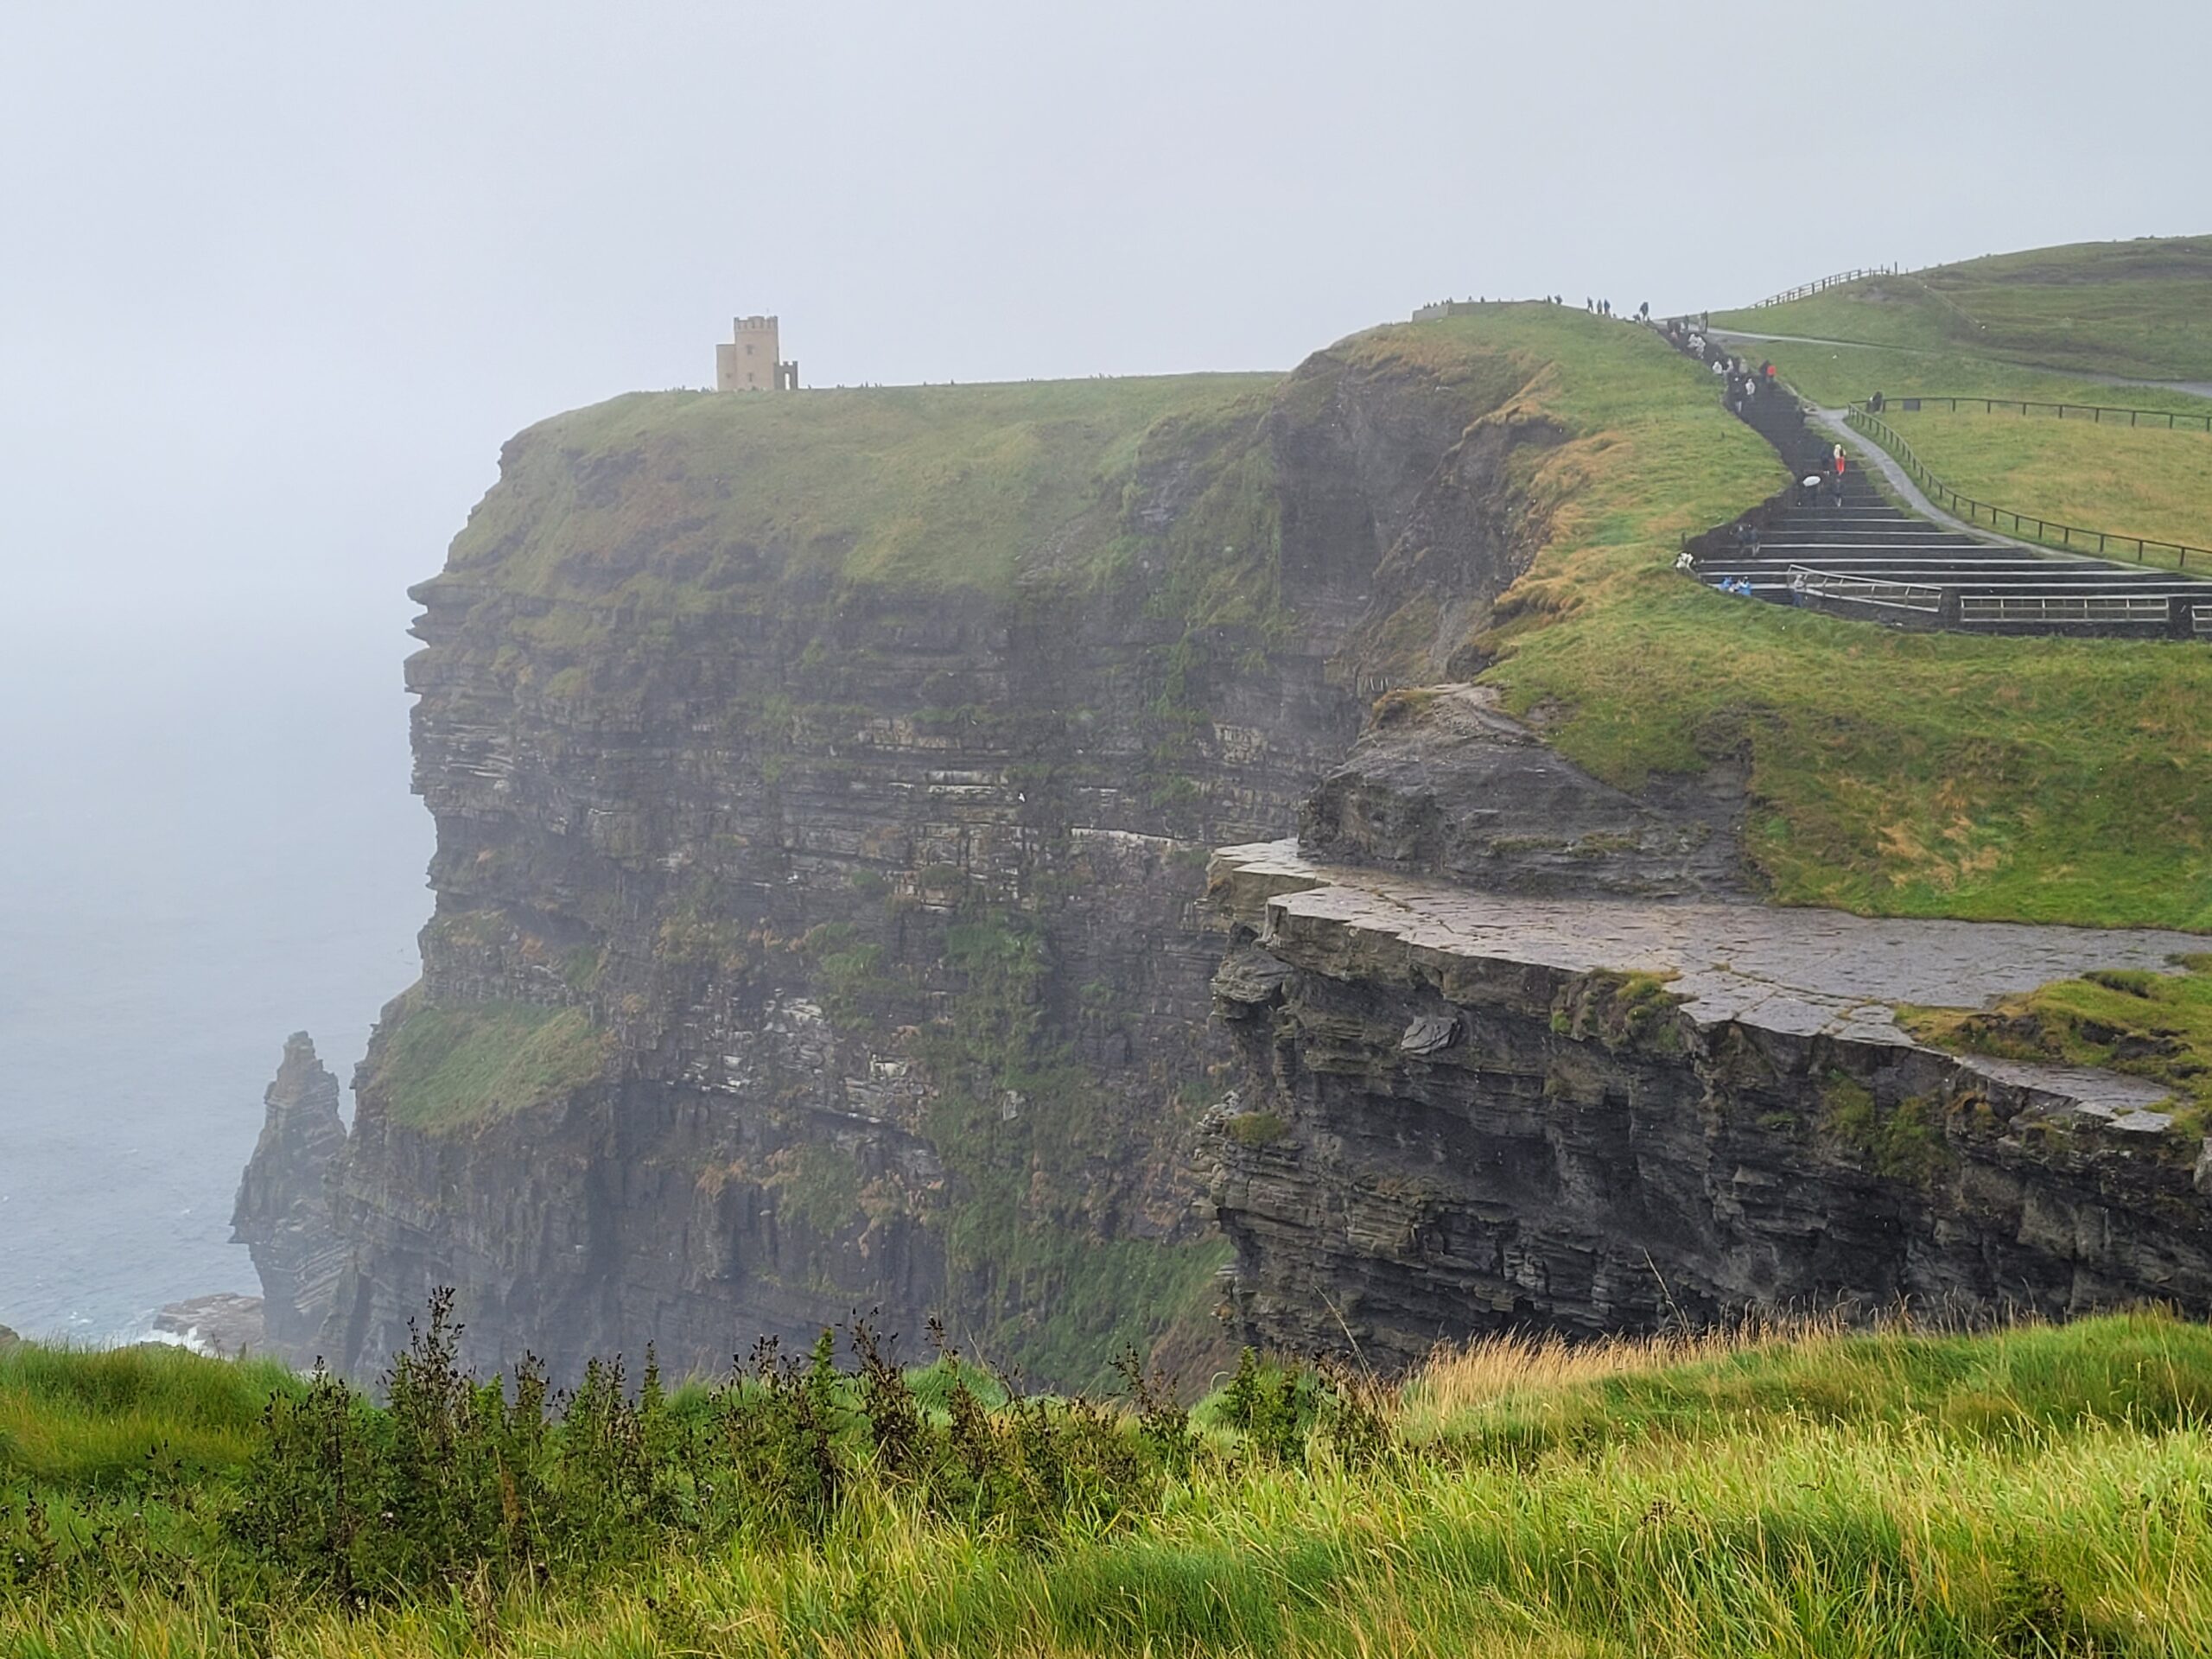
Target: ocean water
<point>207,841</point>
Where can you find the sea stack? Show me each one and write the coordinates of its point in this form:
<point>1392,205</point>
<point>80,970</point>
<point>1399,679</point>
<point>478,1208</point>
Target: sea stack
<point>283,1211</point>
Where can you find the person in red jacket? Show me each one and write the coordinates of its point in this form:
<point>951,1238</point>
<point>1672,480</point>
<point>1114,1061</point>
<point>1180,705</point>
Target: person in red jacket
<point>1837,483</point>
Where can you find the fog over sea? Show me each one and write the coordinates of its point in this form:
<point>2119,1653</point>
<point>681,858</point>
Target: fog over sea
<point>207,841</point>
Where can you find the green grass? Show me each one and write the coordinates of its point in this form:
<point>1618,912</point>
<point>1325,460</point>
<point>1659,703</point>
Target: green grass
<point>447,1068</point>
<point>2154,1026</point>
<point>93,1420</point>
<point>2140,308</point>
<point>1831,376</point>
<point>2131,480</point>
<point>1900,774</point>
<point>678,500</point>
<point>2141,1371</point>
<point>1889,773</point>
<point>1825,1496</point>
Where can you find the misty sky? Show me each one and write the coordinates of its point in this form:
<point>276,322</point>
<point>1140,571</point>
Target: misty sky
<point>279,278</point>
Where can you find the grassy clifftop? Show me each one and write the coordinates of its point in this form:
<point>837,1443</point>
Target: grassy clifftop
<point>2143,480</point>
<point>678,496</point>
<point>2140,308</point>
<point>680,500</point>
<point>1892,774</point>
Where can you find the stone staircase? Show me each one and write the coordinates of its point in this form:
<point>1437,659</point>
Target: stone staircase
<point>1866,557</point>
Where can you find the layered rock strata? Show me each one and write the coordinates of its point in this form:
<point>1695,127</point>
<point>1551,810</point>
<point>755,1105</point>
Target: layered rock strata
<point>878,898</point>
<point>1461,1112</point>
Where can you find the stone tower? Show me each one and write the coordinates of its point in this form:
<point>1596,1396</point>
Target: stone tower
<point>752,361</point>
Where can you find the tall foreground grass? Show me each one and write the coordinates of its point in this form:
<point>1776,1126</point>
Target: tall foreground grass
<point>2035,1492</point>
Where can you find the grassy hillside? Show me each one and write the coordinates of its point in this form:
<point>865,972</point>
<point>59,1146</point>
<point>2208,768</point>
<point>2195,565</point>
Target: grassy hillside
<point>2140,308</point>
<point>2037,1491</point>
<point>1833,375</point>
<point>97,1422</point>
<point>1929,775</point>
<point>2138,482</point>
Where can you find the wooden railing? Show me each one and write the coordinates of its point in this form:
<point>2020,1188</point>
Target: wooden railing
<point>2173,420</point>
<point>1806,290</point>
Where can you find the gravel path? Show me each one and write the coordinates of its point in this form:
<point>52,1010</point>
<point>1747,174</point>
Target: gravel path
<point>2194,388</point>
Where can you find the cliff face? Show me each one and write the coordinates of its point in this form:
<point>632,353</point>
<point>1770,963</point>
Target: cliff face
<point>283,1215</point>
<point>1459,1111</point>
<point>816,924</point>
<point>824,786</point>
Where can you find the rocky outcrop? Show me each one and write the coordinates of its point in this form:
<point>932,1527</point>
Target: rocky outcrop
<point>1460,1112</point>
<point>283,1214</point>
<point>222,1324</point>
<point>1446,785</point>
<point>880,895</point>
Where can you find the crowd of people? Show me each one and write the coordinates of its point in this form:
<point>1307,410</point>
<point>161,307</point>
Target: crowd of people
<point>1745,384</point>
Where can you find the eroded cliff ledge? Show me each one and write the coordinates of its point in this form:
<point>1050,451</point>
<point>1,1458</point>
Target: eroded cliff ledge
<point>1465,1110</point>
<point>824,786</point>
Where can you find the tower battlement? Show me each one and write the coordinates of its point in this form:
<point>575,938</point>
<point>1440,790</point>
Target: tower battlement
<point>751,359</point>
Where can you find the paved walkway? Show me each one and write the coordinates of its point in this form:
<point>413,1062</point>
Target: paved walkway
<point>2194,388</point>
<point>1813,340</point>
<point>1801,972</point>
